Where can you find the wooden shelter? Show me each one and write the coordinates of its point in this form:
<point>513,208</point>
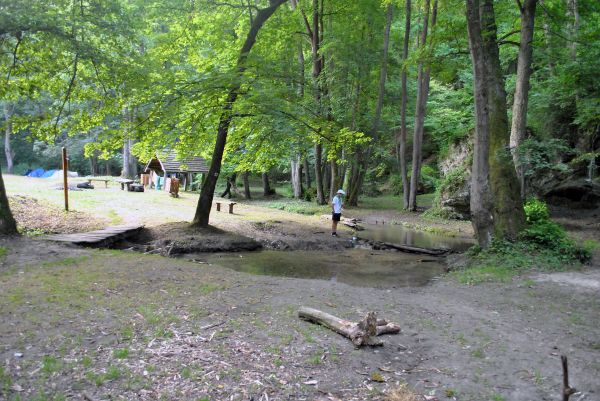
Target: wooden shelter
<point>168,165</point>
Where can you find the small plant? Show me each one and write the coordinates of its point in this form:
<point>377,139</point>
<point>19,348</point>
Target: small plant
<point>186,373</point>
<point>50,364</point>
<point>86,361</point>
<point>5,381</point>
<point>113,373</point>
<point>316,358</point>
<point>121,353</point>
<point>478,353</point>
<point>377,377</point>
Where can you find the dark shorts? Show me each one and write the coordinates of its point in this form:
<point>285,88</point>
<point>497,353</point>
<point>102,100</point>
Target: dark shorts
<point>336,216</point>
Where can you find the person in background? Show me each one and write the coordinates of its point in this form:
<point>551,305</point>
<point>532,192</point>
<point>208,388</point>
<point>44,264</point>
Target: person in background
<point>336,208</point>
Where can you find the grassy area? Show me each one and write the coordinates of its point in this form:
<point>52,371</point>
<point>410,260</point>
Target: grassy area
<point>111,204</point>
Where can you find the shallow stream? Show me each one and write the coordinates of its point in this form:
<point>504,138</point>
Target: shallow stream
<point>356,267</point>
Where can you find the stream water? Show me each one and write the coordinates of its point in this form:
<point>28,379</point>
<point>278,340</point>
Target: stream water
<point>397,234</point>
<point>356,267</point>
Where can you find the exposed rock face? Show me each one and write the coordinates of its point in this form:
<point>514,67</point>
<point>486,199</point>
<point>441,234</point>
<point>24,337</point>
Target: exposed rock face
<point>560,187</point>
<point>575,193</point>
<point>455,190</point>
<point>455,202</point>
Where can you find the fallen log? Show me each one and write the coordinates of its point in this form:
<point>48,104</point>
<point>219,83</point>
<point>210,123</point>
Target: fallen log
<point>350,222</point>
<point>405,248</point>
<point>360,333</point>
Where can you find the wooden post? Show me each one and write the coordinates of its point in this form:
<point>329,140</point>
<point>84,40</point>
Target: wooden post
<point>65,166</point>
<point>568,391</point>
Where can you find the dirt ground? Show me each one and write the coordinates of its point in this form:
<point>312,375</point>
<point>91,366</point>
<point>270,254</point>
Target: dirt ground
<point>86,324</point>
<point>34,216</point>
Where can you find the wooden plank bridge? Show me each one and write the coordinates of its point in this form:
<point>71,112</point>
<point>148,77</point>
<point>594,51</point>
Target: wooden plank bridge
<point>103,237</point>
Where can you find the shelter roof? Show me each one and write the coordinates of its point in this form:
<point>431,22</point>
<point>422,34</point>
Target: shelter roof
<point>170,163</point>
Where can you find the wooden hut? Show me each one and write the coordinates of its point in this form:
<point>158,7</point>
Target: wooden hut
<point>168,165</point>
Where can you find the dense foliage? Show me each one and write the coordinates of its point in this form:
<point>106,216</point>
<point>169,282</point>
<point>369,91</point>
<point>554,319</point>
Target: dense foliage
<point>95,75</point>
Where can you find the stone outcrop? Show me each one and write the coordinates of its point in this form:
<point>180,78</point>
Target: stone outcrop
<point>455,189</point>
<point>566,186</point>
<point>578,193</point>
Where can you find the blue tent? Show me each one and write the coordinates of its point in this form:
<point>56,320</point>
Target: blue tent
<point>38,172</point>
<point>48,174</point>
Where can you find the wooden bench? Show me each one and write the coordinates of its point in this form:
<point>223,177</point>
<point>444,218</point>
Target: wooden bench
<point>123,182</point>
<point>89,180</point>
<point>230,204</point>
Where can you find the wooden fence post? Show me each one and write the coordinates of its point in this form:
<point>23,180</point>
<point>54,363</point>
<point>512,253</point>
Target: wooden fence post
<point>65,166</point>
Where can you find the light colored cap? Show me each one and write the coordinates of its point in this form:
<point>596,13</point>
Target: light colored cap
<point>341,192</point>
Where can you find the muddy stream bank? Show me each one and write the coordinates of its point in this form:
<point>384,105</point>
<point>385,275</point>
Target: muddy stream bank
<point>364,258</point>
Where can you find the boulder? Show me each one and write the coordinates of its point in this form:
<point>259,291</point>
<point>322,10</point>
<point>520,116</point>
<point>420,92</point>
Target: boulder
<point>456,203</point>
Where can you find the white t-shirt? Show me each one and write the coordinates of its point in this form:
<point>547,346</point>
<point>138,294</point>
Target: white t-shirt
<point>337,204</point>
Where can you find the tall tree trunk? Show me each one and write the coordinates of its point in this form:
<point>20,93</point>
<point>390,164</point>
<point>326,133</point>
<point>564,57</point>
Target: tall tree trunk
<point>126,170</point>
<point>8,225</point>
<point>8,131</point>
<point>267,190</point>
<point>296,176</point>
<point>94,165</point>
<point>401,150</point>
<point>421,109</point>
<point>496,207</point>
<point>481,201</point>
<point>247,193</point>
<point>314,29</point>
<point>364,160</point>
<point>519,114</point>
<point>133,163</point>
<point>296,162</point>
<point>382,74</point>
<point>319,174</point>
<point>573,11</point>
<point>354,178</point>
<point>202,214</point>
<point>547,36</point>
<point>307,172</point>
<point>334,183</point>
<point>326,174</point>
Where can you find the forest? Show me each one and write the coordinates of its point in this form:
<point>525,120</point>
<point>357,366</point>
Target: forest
<point>473,119</point>
<point>371,97</point>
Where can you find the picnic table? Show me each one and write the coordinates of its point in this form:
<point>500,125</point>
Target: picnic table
<point>89,180</point>
<point>124,182</point>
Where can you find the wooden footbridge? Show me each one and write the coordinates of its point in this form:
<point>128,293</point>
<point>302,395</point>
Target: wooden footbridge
<point>103,237</point>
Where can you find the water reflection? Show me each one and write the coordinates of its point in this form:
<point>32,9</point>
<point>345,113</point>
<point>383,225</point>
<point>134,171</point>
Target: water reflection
<point>356,267</point>
<point>397,234</point>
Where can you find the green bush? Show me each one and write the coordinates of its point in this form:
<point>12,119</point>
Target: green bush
<point>453,181</point>
<point>535,211</point>
<point>544,233</point>
<point>309,194</point>
<point>430,178</point>
<point>543,245</point>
